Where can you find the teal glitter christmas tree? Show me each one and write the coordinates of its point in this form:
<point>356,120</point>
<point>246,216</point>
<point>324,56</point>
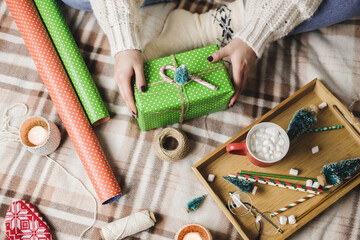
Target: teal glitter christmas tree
<point>302,120</point>
<point>195,203</point>
<point>335,173</point>
<point>181,75</point>
<point>242,184</point>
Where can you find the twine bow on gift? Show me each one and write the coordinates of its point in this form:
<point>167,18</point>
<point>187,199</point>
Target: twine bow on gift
<point>182,77</point>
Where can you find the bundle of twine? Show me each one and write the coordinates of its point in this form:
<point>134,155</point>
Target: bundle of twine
<point>171,144</point>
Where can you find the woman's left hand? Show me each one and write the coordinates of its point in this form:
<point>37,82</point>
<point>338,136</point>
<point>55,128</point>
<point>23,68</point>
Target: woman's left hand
<point>242,58</point>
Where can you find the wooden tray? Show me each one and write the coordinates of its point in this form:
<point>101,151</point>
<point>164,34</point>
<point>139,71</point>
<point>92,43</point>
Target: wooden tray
<point>334,146</point>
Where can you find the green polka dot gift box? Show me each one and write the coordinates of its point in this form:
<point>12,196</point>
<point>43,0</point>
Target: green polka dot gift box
<point>196,88</point>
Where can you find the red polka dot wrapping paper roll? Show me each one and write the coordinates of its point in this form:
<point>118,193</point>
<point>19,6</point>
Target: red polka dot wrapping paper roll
<point>65,99</point>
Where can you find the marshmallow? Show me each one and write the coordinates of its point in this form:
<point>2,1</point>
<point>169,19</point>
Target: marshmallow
<point>266,142</point>
<point>272,147</point>
<point>282,220</point>
<point>315,149</point>
<point>322,105</point>
<point>316,185</point>
<point>258,148</point>
<point>309,183</point>
<point>294,172</point>
<point>274,139</point>
<point>211,177</point>
<point>281,141</point>
<point>254,190</point>
<point>272,131</point>
<point>292,219</point>
<point>265,149</point>
<point>266,136</point>
<point>252,147</point>
<point>277,154</point>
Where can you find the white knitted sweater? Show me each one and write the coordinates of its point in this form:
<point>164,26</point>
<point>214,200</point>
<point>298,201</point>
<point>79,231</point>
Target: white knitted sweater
<point>266,21</point>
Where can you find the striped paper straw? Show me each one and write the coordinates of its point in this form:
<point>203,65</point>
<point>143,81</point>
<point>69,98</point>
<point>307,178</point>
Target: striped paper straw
<point>277,183</point>
<point>292,204</point>
<point>325,128</point>
<point>278,176</point>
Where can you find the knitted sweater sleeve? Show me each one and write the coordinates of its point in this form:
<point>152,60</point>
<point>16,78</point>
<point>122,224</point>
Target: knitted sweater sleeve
<point>270,20</point>
<point>120,21</point>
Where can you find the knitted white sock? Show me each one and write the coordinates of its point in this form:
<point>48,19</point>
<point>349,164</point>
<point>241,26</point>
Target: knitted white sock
<point>184,31</point>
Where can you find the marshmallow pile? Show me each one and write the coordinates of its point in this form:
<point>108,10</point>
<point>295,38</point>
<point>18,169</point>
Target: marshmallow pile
<point>267,144</point>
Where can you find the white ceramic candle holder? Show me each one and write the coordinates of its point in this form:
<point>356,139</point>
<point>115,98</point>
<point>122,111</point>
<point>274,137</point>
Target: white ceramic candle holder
<point>51,143</point>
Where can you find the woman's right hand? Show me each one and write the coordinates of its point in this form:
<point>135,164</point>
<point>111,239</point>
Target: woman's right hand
<point>128,63</point>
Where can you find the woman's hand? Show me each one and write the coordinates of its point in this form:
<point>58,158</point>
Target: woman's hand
<point>242,59</point>
<point>126,64</point>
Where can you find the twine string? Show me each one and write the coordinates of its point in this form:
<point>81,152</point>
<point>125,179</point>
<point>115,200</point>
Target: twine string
<point>7,128</point>
<point>88,192</point>
<point>127,226</point>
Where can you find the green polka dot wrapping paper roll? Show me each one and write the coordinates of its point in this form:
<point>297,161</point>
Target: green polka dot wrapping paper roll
<point>74,64</point>
<point>166,103</point>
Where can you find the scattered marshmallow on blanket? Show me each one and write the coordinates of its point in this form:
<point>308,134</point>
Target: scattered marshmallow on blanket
<point>292,219</point>
<point>283,220</point>
<point>267,144</point>
<point>315,149</point>
<point>294,172</point>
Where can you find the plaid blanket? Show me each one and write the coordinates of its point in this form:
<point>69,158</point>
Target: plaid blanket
<point>330,54</point>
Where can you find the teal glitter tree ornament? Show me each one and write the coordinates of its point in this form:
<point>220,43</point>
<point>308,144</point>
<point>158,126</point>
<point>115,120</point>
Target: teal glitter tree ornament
<point>302,120</point>
<point>181,75</point>
<point>195,203</point>
<point>335,173</point>
<point>242,184</point>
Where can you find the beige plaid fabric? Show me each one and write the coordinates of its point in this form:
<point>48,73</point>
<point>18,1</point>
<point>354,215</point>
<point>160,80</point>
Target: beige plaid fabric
<point>331,54</point>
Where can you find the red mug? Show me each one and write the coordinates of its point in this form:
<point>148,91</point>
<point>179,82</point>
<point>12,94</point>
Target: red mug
<point>243,149</point>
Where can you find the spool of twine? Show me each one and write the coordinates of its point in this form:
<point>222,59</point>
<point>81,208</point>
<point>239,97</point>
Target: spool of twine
<point>171,144</point>
<point>128,226</point>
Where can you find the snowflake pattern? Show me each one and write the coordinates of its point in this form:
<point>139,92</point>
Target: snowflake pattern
<point>223,17</point>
